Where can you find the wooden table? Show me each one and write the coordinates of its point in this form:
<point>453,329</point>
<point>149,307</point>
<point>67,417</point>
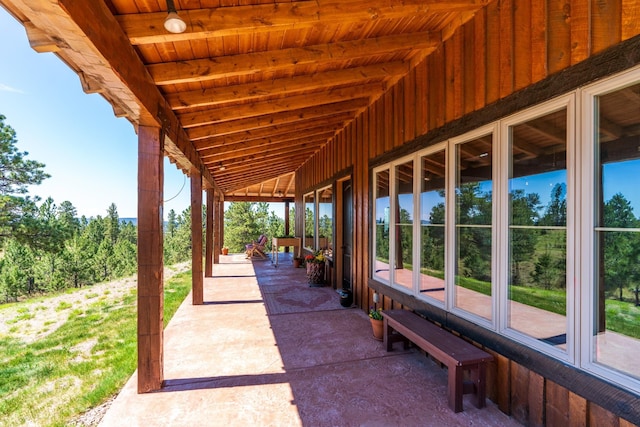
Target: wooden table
<point>284,241</point>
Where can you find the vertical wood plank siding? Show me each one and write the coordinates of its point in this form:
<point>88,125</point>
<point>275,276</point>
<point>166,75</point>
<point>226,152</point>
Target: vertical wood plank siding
<point>507,46</point>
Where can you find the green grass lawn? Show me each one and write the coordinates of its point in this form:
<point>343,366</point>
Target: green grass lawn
<point>81,364</point>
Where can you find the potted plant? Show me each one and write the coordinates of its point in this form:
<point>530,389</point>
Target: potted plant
<point>315,268</point>
<point>297,261</point>
<point>225,251</point>
<point>376,323</point>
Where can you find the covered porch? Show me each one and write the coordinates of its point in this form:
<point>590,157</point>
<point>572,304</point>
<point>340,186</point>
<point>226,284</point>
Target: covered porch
<point>267,349</point>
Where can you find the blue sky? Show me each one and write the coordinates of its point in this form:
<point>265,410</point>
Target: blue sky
<point>90,154</point>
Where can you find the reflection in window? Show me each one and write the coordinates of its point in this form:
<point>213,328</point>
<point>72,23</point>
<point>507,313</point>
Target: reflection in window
<point>538,228</point>
<point>432,225</point>
<point>325,218</point>
<point>403,259</point>
<point>382,218</point>
<point>617,232</point>
<point>472,291</point>
<point>309,221</point>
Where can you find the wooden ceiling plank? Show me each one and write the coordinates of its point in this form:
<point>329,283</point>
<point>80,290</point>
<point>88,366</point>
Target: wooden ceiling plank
<point>240,179</point>
<point>267,120</point>
<point>146,28</point>
<point>329,123</point>
<point>223,114</point>
<point>199,70</point>
<point>309,144</point>
<point>264,146</point>
<point>286,86</point>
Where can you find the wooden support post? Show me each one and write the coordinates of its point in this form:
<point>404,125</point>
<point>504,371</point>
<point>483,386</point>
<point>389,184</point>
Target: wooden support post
<point>197,291</point>
<point>220,220</point>
<point>286,222</point>
<point>217,240</point>
<point>208,252</point>
<point>150,262</point>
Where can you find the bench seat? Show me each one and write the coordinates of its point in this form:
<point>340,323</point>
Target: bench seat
<point>454,352</point>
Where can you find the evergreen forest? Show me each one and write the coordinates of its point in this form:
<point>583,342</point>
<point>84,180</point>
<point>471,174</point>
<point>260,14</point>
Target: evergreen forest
<point>46,247</point>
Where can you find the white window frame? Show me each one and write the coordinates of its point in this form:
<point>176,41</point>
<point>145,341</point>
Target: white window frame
<point>580,280</point>
<point>563,102</point>
<point>587,298</point>
<point>315,222</point>
<point>388,168</point>
<point>442,146</point>
<point>491,129</point>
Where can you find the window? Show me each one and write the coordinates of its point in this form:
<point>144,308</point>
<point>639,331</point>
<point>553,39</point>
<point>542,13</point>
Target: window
<point>402,260</point>
<point>537,271</point>
<point>614,340</point>
<point>382,221</point>
<point>473,226</point>
<point>432,225</point>
<point>529,227</point>
<point>325,219</point>
<point>309,221</point>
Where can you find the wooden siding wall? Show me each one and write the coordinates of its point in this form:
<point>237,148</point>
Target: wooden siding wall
<point>506,47</point>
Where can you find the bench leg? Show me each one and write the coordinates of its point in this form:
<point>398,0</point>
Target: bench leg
<point>386,336</point>
<point>455,387</point>
<point>478,376</point>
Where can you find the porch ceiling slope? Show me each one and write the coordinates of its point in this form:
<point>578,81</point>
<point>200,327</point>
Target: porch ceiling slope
<point>248,92</point>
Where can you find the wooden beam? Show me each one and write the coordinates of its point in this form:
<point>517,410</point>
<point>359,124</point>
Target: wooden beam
<point>146,28</point>
<point>150,260</point>
<point>285,86</point>
<point>238,178</point>
<point>40,41</point>
<point>199,70</point>
<point>197,286</point>
<point>285,117</point>
<point>264,151</point>
<point>229,197</point>
<point>224,114</point>
<point>224,145</point>
<point>208,250</point>
<point>245,181</point>
<point>76,32</point>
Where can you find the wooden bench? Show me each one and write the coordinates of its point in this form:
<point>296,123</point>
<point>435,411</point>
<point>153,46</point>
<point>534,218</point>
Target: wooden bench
<point>454,352</point>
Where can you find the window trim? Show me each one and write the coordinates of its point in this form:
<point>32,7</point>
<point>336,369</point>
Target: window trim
<point>587,149</point>
<point>580,295</point>
<point>556,104</point>
<point>490,129</point>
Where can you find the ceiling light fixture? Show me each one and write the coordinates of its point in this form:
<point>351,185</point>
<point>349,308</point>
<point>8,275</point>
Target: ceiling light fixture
<point>221,167</point>
<point>173,23</point>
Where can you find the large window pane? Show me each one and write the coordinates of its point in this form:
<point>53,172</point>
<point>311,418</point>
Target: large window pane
<point>382,217</point>
<point>325,219</point>
<point>432,225</point>
<point>309,221</point>
<point>473,215</point>
<point>403,258</point>
<point>538,228</point>
<point>617,232</point>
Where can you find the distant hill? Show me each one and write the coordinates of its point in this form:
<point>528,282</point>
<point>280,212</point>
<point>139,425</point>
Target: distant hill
<point>133,221</point>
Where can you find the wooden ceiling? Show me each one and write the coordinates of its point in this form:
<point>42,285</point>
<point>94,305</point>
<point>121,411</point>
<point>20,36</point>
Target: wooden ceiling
<point>252,88</point>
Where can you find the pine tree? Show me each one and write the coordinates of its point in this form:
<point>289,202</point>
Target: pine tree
<point>16,174</point>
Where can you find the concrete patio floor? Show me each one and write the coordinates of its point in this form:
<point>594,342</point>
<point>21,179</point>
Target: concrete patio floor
<point>266,349</point>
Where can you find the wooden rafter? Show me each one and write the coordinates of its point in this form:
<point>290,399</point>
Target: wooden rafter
<point>142,28</point>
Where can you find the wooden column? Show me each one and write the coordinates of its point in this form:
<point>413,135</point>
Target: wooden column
<point>220,220</point>
<point>150,262</point>
<point>197,292</point>
<point>217,242</point>
<point>286,222</point>
<point>208,252</point>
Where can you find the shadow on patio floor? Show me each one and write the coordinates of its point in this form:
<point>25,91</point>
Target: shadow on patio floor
<point>267,349</point>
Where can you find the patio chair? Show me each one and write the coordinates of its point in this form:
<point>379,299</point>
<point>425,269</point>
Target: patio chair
<point>256,247</point>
